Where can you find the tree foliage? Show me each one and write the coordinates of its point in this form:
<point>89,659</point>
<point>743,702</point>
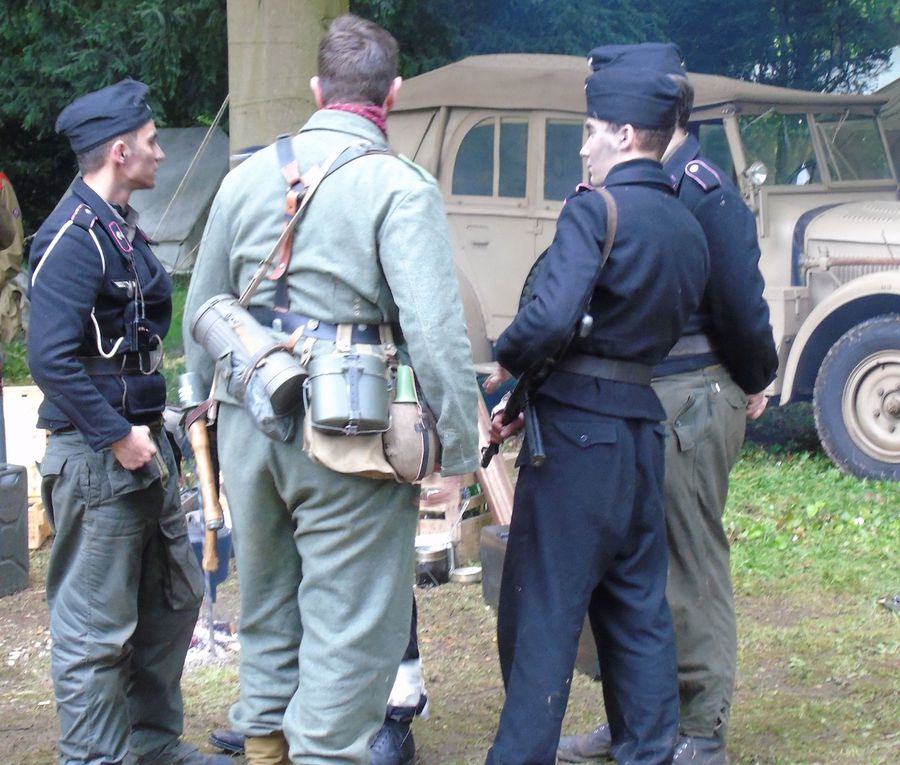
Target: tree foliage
<point>55,49</point>
<point>824,45</point>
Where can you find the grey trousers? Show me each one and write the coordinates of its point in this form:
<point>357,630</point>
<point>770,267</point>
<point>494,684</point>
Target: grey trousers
<point>705,422</point>
<point>325,562</point>
<point>124,589</point>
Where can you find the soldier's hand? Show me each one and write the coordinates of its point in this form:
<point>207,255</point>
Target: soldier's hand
<point>496,379</point>
<point>756,405</point>
<point>136,449</point>
<point>500,432</point>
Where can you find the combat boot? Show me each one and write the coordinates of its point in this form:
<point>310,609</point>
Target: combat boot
<point>178,753</point>
<point>227,740</point>
<point>267,750</point>
<point>694,750</point>
<point>393,744</point>
<point>587,747</point>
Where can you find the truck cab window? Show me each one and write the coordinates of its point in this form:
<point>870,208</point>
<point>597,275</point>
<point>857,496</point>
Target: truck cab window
<point>473,173</point>
<point>563,166</point>
<point>493,159</point>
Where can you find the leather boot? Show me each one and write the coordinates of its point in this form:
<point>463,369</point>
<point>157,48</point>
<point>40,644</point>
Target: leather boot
<point>587,747</point>
<point>393,744</point>
<point>227,740</point>
<point>267,750</point>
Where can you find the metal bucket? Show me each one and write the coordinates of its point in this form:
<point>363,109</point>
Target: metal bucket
<point>433,564</point>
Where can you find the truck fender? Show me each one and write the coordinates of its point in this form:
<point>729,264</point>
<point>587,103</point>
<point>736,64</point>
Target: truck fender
<point>482,350</point>
<point>854,302</point>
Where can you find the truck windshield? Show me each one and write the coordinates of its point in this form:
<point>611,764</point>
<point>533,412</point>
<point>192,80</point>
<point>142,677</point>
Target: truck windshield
<point>783,142</point>
<point>853,147</point>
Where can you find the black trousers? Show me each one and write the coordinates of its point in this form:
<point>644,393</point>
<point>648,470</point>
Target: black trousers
<point>588,535</point>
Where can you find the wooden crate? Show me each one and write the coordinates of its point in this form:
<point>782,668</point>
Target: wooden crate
<point>25,443</point>
<point>39,529</point>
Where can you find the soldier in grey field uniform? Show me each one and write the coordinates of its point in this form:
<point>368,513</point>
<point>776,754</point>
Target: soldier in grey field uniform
<point>325,559</point>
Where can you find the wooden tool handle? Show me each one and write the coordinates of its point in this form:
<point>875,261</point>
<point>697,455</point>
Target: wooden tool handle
<point>209,492</point>
<point>211,550</point>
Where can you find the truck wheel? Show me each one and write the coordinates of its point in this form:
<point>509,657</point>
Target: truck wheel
<point>857,400</point>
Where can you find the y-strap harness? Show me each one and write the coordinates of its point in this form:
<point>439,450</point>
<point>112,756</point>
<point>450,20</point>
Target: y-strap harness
<point>112,362</point>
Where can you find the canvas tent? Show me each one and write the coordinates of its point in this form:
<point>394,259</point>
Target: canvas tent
<point>177,231</point>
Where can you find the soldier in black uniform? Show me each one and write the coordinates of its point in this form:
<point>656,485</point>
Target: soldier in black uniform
<point>123,584</point>
<point>709,385</point>
<point>588,529</point>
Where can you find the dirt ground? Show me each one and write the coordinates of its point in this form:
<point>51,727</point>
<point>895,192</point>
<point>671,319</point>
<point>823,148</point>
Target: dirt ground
<point>458,644</point>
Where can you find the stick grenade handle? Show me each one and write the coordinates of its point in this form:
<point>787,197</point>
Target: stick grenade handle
<point>188,387</point>
<point>211,550</point>
<point>209,491</point>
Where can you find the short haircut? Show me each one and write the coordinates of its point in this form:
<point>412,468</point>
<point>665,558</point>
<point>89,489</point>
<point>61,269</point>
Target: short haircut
<point>93,159</point>
<point>357,62</point>
<point>685,100</point>
<point>649,140</point>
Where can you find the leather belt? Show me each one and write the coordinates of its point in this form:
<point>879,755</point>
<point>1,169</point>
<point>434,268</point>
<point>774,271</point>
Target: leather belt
<point>692,345</point>
<point>607,369</point>
<point>140,362</point>
<point>289,322</point>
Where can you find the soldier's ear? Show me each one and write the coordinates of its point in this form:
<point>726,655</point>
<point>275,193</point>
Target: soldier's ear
<point>119,151</point>
<point>316,87</point>
<point>627,136</point>
<point>392,93</point>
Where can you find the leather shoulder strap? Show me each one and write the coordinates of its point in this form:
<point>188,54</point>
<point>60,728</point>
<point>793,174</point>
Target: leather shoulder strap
<point>612,223</point>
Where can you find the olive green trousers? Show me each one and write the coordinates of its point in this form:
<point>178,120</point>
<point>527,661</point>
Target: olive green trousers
<point>705,422</point>
<point>124,588</point>
<point>325,562</point>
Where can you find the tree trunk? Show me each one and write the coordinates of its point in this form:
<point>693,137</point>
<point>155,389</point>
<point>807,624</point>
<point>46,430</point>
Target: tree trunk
<point>272,47</point>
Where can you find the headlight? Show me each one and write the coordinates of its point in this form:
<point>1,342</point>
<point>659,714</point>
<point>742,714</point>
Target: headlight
<point>757,173</point>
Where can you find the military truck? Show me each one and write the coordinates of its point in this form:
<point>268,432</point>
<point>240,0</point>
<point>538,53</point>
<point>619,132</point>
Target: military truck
<point>501,133</point>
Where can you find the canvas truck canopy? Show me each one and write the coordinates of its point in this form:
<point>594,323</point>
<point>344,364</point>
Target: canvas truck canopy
<point>551,82</point>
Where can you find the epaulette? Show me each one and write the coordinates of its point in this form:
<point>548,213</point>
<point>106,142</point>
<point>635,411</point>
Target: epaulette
<point>84,217</point>
<point>702,174</point>
<point>423,173</point>
<point>581,188</point>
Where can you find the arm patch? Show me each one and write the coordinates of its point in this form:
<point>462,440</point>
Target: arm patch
<point>702,174</point>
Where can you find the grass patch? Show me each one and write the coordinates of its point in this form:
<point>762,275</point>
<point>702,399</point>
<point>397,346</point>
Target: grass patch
<point>798,514</point>
<point>209,686</point>
<point>15,363</point>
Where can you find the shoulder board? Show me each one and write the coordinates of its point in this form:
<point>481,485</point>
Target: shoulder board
<point>423,173</point>
<point>580,189</point>
<point>84,217</point>
<point>702,174</point>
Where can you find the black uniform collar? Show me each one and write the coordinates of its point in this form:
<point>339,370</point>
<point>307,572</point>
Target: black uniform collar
<point>638,171</point>
<point>110,220</point>
<point>674,166</point>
